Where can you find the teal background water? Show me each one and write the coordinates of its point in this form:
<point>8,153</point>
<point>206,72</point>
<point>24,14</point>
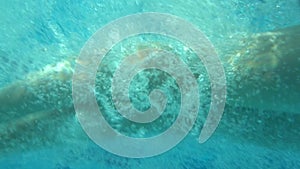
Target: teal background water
<point>37,33</point>
<point>43,32</point>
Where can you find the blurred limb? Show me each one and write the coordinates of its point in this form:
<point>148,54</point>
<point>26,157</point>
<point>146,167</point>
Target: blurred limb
<point>38,91</point>
<point>38,110</point>
<point>263,83</point>
<point>262,102</point>
<point>266,71</point>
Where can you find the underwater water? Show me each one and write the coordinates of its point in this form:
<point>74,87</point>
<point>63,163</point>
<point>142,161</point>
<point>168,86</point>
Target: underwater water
<point>256,41</point>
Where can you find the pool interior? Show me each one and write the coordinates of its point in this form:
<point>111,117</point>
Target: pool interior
<point>39,128</point>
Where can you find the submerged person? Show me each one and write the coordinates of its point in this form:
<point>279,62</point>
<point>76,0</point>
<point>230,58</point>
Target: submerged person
<point>262,104</point>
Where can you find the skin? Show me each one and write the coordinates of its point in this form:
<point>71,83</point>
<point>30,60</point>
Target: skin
<point>264,110</point>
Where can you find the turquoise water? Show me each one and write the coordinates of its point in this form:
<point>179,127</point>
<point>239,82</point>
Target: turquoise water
<point>39,128</point>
